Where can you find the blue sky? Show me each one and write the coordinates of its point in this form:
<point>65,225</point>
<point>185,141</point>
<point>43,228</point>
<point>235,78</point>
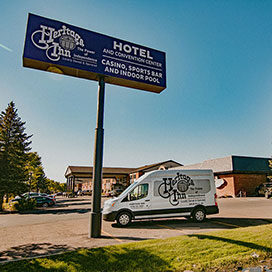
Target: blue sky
<point>218,95</point>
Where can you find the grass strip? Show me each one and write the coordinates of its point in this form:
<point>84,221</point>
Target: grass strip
<point>213,251</point>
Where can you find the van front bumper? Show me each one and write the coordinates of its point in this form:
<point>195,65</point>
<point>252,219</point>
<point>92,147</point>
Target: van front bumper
<point>109,216</point>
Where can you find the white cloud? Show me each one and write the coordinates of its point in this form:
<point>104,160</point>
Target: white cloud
<point>6,48</point>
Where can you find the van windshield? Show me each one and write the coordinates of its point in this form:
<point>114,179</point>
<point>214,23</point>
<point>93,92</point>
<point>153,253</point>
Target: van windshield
<point>131,186</point>
<point>127,190</point>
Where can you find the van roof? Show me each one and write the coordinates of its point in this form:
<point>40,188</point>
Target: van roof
<point>191,172</point>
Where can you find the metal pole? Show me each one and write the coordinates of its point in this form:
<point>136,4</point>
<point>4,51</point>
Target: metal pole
<point>95,217</point>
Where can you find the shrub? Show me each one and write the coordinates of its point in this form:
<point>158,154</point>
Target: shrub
<point>11,207</point>
<point>25,204</point>
<point>5,207</point>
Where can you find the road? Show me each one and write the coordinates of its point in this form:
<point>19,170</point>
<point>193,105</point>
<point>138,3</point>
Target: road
<point>65,227</point>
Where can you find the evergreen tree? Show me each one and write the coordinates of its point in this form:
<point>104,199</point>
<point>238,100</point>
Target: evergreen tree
<point>14,145</point>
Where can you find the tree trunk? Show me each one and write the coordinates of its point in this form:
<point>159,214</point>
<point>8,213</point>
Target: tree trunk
<point>1,201</point>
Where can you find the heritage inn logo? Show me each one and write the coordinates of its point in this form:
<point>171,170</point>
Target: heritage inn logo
<point>45,39</point>
<point>175,188</point>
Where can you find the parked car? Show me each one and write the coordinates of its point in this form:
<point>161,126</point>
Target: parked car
<point>30,194</point>
<point>86,192</point>
<point>14,200</point>
<point>265,189</point>
<point>59,193</point>
<point>43,194</point>
<point>51,195</point>
<point>44,201</point>
<point>79,193</point>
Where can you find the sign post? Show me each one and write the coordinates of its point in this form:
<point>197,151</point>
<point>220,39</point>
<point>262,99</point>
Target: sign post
<point>54,46</point>
<point>95,217</point>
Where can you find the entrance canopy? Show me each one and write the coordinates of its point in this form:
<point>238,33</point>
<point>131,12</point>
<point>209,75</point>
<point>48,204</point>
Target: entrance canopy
<point>87,171</point>
<point>81,174</point>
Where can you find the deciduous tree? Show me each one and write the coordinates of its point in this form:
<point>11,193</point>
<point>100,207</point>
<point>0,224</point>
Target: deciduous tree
<point>54,186</point>
<point>36,176</point>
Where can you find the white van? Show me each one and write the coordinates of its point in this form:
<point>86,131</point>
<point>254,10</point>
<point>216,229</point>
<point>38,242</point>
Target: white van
<point>165,193</point>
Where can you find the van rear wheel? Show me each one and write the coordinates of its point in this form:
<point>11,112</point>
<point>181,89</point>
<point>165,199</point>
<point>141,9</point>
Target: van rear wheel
<point>124,219</point>
<point>199,215</point>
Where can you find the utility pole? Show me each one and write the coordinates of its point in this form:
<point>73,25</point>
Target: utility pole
<point>95,217</point>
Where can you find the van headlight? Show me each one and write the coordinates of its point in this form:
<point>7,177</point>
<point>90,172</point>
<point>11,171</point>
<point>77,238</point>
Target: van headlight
<point>108,205</point>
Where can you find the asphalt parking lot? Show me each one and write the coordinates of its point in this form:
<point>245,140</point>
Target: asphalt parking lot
<point>65,226</point>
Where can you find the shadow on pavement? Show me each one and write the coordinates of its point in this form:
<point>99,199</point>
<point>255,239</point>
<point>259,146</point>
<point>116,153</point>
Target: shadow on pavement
<point>64,200</point>
<point>212,223</point>
<point>31,250</point>
<point>125,238</point>
<point>72,204</point>
<point>241,222</point>
<point>57,211</point>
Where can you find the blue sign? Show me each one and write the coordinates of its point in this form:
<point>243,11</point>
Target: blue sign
<point>52,45</point>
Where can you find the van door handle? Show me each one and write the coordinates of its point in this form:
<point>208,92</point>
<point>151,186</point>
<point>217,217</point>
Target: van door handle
<point>147,200</point>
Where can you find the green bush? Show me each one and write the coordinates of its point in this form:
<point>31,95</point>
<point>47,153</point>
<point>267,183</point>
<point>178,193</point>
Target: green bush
<point>25,204</point>
<point>5,207</point>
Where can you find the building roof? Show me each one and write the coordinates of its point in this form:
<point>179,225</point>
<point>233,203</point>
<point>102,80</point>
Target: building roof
<point>233,164</point>
<point>217,165</point>
<point>108,171</point>
<point>251,164</point>
<point>154,165</point>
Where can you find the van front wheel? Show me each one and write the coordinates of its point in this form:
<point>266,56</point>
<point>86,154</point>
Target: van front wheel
<point>123,219</point>
<point>199,215</point>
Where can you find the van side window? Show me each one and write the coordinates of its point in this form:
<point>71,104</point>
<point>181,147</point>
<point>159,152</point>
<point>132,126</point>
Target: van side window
<point>138,192</point>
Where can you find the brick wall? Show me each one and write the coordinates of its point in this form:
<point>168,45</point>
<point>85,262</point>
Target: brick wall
<point>228,188</point>
<point>135,176</point>
<point>248,182</point>
<point>238,182</point>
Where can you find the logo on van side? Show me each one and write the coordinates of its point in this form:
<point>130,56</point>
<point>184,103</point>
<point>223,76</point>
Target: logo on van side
<point>174,188</point>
